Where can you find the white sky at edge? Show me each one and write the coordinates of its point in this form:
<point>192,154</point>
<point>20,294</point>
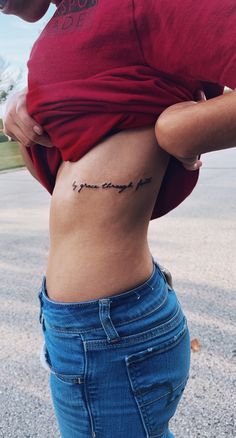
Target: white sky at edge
<point>16,40</point>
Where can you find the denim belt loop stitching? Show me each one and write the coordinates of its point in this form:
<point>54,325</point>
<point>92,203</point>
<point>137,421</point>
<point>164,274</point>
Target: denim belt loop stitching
<point>105,318</point>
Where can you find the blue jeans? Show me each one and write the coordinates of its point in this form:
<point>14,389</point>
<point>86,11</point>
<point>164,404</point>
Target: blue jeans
<point>118,365</point>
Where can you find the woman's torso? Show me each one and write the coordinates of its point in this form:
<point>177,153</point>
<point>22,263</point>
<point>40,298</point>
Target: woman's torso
<point>98,235</point>
<point>85,83</point>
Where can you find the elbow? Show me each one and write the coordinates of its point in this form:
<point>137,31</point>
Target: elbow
<point>173,138</point>
<point>166,135</point>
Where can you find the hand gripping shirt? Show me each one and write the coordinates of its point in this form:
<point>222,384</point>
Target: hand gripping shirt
<point>100,67</point>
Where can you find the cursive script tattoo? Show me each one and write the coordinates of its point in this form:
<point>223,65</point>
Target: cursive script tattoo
<point>142,182</point>
<point>109,185</point>
<point>83,185</point>
<point>121,187</point>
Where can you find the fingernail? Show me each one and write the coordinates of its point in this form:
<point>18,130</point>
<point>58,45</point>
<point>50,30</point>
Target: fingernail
<point>38,130</point>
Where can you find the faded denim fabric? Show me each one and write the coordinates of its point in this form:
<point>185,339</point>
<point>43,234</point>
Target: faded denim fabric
<point>118,365</point>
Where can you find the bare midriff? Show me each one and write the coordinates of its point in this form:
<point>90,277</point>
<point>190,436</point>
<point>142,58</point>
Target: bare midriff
<point>100,212</point>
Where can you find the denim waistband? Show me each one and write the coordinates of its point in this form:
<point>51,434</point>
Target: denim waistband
<point>124,307</point>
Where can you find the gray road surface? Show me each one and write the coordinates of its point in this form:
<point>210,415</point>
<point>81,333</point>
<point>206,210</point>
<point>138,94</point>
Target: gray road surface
<point>197,242</point>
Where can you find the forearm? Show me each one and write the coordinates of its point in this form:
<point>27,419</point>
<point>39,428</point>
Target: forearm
<point>28,162</point>
<point>28,10</point>
<point>194,128</point>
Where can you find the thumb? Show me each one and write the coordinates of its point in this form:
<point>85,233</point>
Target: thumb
<point>200,96</point>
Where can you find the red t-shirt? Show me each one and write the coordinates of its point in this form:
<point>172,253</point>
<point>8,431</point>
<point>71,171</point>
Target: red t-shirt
<point>101,66</point>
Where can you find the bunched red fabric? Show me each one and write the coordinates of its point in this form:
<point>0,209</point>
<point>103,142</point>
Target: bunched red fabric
<point>101,67</point>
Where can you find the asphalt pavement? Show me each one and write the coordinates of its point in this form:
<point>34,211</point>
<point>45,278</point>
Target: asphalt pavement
<point>197,242</point>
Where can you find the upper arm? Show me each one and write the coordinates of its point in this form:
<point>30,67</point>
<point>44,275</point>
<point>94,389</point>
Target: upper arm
<point>195,38</point>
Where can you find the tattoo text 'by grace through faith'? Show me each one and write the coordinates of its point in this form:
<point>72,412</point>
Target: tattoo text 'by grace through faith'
<point>78,187</point>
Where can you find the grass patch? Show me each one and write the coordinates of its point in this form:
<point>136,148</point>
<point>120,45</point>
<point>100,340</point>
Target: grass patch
<point>10,156</point>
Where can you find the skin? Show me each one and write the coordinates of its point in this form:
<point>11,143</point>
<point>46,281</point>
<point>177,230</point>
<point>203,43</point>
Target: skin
<point>28,10</point>
<point>99,229</point>
<point>189,129</point>
<point>105,227</point>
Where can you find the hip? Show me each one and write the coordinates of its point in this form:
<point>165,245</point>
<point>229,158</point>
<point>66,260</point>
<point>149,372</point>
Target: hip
<point>135,343</point>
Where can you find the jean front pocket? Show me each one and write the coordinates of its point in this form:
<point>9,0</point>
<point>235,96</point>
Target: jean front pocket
<point>158,376</point>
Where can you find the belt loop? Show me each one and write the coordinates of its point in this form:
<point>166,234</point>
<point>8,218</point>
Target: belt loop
<point>105,318</point>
